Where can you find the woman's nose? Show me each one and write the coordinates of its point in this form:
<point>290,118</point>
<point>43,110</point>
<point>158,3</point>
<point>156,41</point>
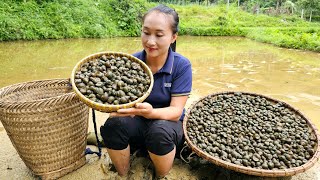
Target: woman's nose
<point>151,41</point>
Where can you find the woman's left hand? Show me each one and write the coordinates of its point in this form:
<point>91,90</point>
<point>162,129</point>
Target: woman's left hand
<point>141,109</point>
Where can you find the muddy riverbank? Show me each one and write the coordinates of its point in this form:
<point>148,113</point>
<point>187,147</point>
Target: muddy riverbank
<point>12,167</point>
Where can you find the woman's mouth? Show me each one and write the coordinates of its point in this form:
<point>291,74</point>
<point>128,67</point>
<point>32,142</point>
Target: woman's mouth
<point>152,49</point>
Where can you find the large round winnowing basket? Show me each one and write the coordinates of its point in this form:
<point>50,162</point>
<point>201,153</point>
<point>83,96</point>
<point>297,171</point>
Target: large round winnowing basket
<point>47,124</point>
<point>248,170</point>
<point>106,107</point>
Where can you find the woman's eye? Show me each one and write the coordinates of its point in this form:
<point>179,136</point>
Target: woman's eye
<point>159,35</point>
<point>146,33</point>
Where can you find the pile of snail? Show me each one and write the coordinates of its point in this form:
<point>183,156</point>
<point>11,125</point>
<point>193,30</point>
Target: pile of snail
<point>112,80</point>
<point>251,131</point>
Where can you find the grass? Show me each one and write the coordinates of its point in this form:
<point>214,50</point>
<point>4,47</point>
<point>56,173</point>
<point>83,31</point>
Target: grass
<point>283,31</point>
<point>58,19</point>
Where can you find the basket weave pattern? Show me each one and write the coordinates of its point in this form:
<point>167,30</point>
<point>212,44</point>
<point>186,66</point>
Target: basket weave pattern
<point>47,124</point>
<point>104,107</point>
<point>248,170</point>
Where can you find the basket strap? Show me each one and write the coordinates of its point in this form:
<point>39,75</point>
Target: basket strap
<point>189,157</point>
<point>88,150</point>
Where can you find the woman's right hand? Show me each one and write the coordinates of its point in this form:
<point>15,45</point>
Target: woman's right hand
<point>141,109</point>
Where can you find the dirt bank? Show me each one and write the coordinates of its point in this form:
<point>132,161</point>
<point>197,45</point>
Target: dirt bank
<point>12,167</point>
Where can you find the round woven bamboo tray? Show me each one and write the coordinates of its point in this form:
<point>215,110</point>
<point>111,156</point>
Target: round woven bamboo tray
<point>248,170</point>
<point>47,124</point>
<point>104,107</point>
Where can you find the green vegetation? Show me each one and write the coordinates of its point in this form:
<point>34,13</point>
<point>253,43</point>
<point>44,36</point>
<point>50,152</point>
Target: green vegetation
<point>296,38</point>
<point>308,9</point>
<point>69,19</point>
<point>285,31</point>
<point>55,19</point>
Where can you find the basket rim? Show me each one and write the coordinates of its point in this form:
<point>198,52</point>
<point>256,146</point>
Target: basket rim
<point>104,107</point>
<point>34,82</point>
<point>249,170</point>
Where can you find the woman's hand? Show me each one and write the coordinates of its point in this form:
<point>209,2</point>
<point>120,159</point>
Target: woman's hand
<point>172,112</point>
<point>141,109</point>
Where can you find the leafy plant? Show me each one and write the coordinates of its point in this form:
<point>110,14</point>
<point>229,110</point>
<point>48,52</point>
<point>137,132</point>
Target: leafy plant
<point>54,19</point>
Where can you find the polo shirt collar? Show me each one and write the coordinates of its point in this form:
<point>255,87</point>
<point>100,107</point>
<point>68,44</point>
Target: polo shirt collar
<point>168,66</point>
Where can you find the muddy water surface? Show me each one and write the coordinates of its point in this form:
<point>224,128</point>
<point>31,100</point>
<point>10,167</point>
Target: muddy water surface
<point>219,64</point>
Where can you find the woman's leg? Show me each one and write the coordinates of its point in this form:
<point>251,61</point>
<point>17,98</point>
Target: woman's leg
<point>120,159</point>
<point>163,164</point>
<point>117,134</point>
<point>163,138</point>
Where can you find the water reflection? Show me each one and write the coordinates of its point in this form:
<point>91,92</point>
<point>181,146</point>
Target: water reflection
<point>219,64</point>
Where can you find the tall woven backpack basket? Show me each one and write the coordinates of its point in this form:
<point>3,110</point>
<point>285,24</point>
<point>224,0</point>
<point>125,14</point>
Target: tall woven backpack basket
<point>47,124</point>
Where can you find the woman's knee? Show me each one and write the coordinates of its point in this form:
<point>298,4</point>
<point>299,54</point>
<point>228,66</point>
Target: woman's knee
<point>115,133</point>
<point>163,136</point>
<point>114,122</point>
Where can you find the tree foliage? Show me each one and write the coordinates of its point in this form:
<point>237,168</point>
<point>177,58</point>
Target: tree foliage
<point>55,19</point>
<point>270,7</point>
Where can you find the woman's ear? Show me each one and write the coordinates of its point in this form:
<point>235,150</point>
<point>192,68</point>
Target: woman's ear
<point>174,37</point>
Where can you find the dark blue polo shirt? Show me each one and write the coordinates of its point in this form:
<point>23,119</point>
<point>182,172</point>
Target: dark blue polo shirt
<point>173,79</point>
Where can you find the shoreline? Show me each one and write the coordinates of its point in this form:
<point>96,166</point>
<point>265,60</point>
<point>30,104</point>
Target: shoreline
<point>12,167</point>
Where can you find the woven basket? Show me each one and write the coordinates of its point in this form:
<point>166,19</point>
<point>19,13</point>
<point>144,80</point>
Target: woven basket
<point>47,124</point>
<point>104,107</point>
<point>248,170</point>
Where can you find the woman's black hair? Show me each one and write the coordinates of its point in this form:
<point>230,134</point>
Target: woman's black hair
<point>168,11</point>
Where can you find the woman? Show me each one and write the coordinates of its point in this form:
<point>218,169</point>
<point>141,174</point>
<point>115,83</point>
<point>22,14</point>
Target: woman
<point>156,123</point>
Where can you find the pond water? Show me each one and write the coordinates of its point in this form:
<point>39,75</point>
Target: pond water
<point>219,64</point>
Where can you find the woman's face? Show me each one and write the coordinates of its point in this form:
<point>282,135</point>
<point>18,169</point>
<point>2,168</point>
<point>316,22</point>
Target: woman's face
<point>157,34</point>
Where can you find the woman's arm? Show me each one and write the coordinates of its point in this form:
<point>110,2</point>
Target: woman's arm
<point>173,112</point>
